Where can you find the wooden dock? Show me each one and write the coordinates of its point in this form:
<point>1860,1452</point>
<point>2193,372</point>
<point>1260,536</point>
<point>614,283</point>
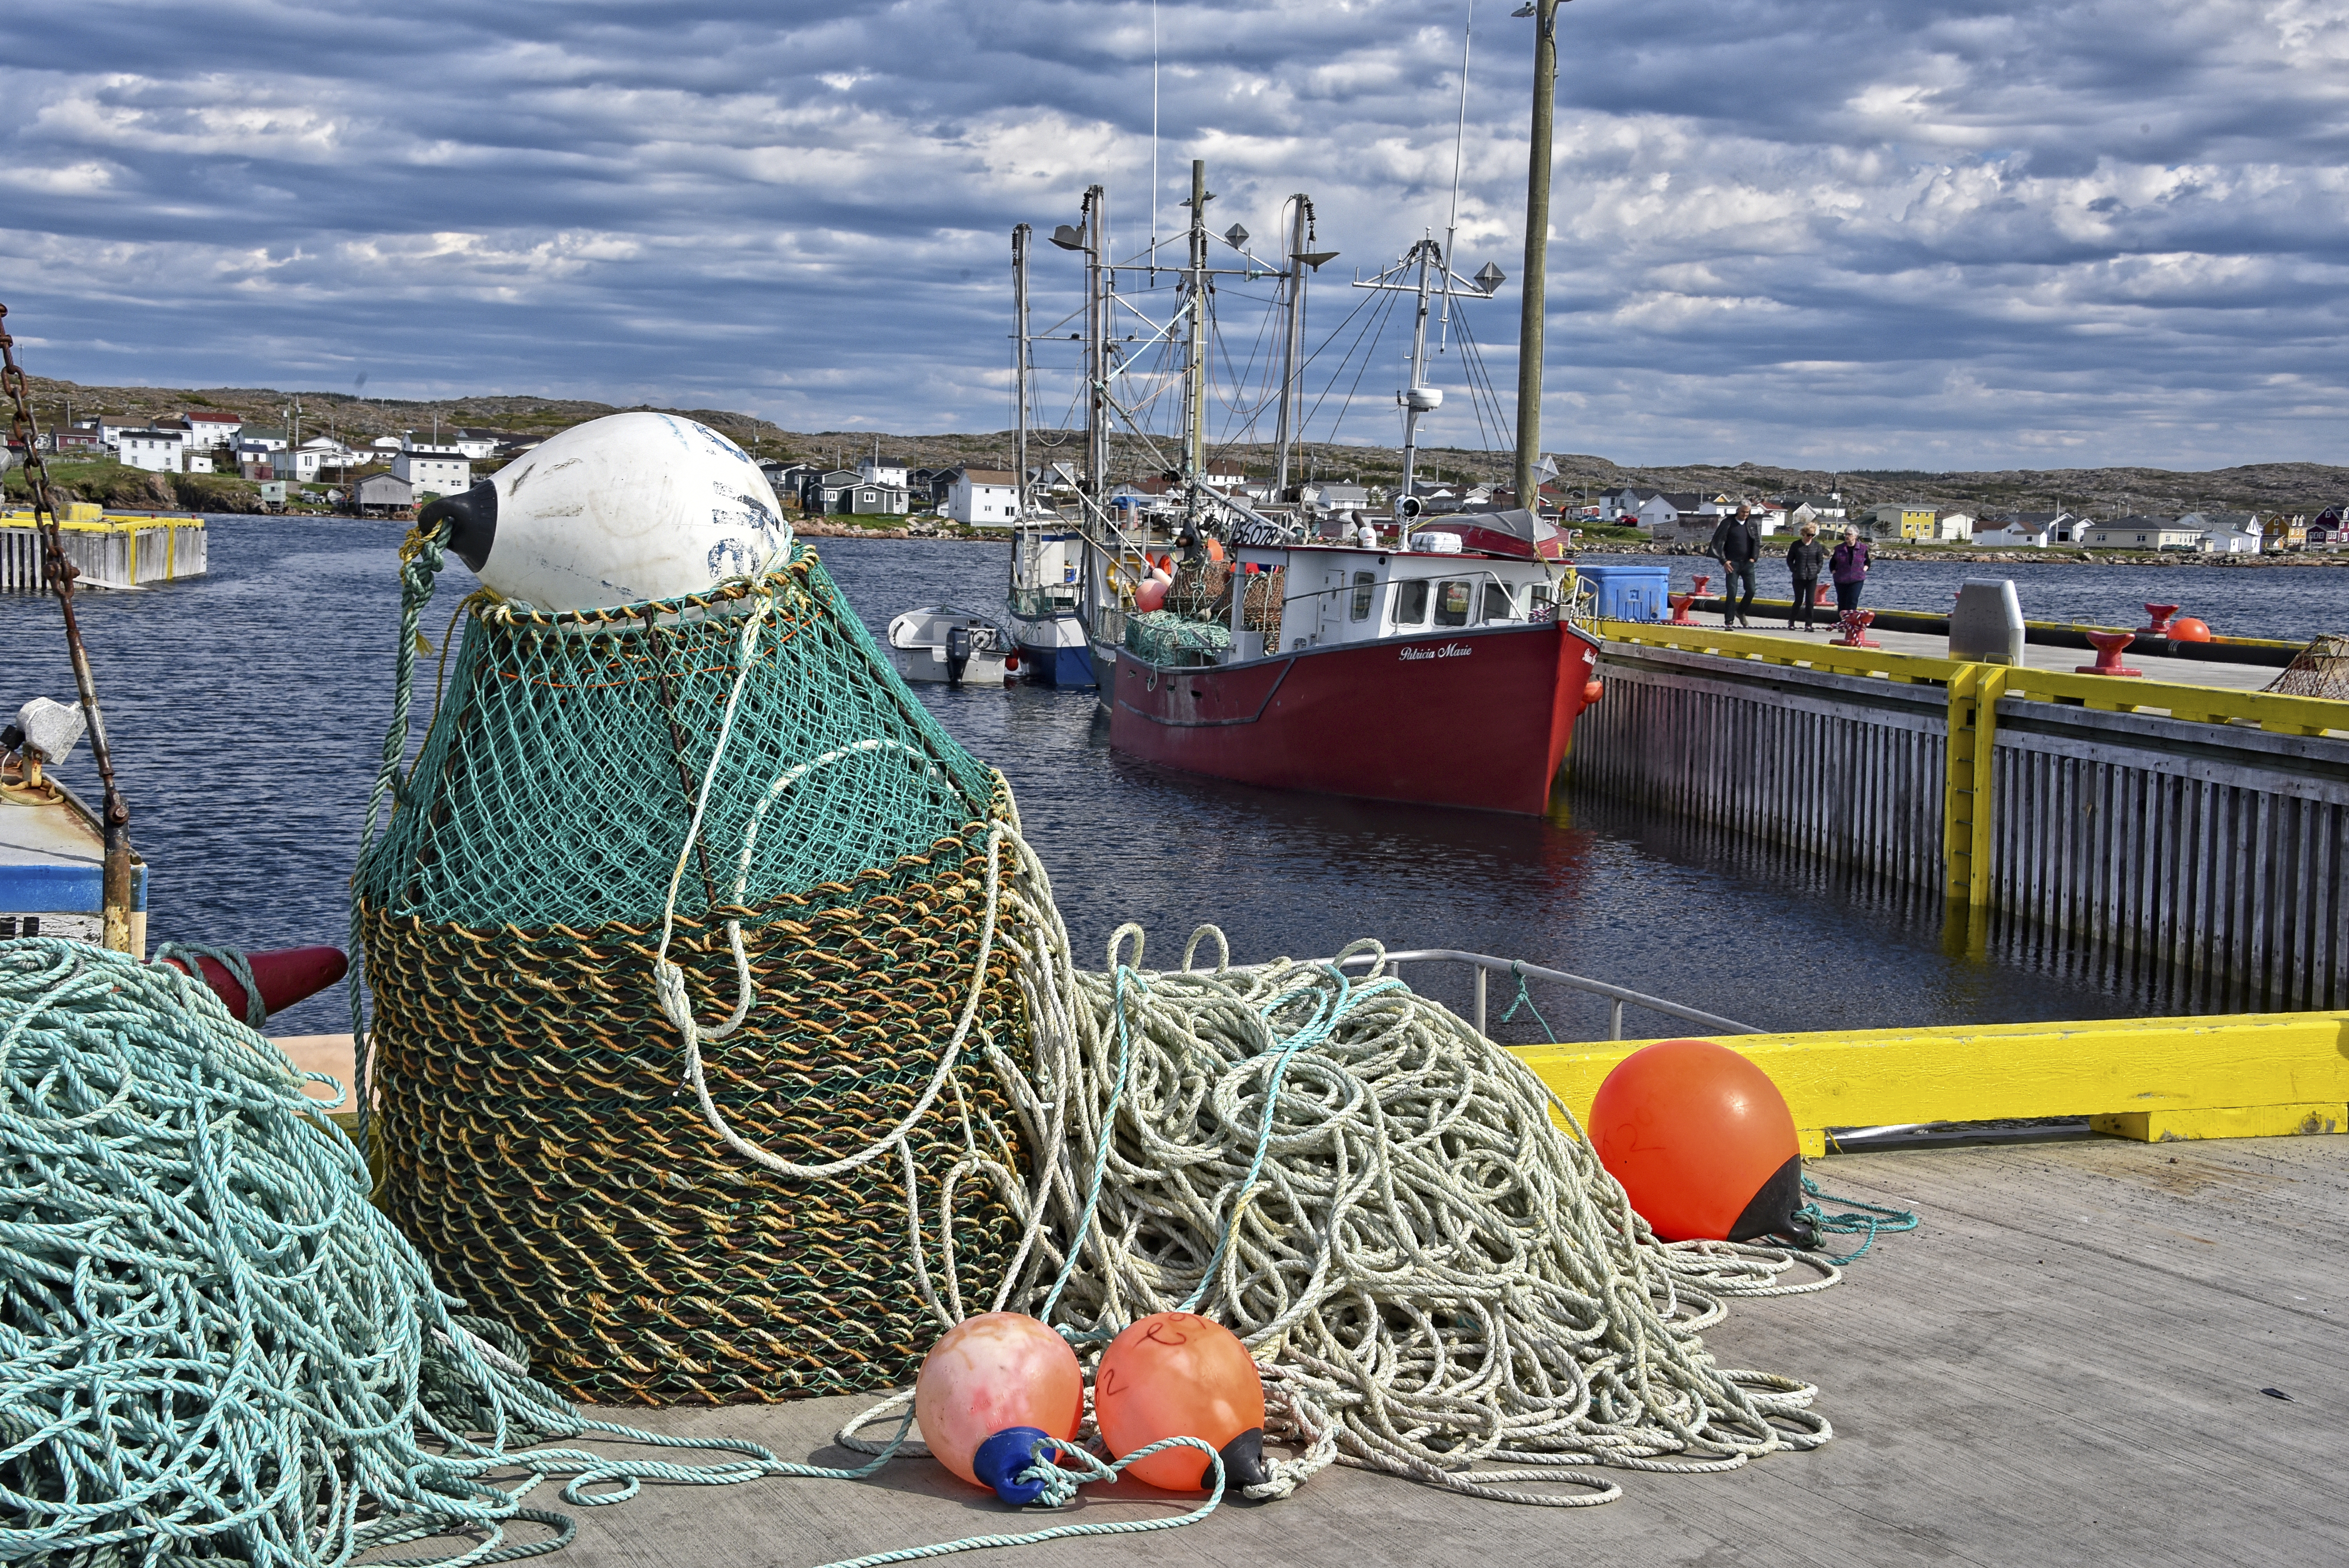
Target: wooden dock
<point>2198,828</point>
<point>2064,1363</point>
<point>108,549</point>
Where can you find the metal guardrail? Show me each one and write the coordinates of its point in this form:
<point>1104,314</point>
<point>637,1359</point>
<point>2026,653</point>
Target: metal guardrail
<point>1616,995</point>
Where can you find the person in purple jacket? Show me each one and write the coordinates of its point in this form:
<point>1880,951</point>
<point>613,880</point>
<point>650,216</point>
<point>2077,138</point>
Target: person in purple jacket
<point>1849,567</point>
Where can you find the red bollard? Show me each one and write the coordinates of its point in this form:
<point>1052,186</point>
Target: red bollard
<point>1855,630</point>
<point>1680,603</point>
<point>1819,597</point>
<point>2161,615</point>
<point>2108,645</point>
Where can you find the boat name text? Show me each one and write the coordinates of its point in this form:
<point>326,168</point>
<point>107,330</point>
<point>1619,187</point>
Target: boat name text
<point>1448,651</point>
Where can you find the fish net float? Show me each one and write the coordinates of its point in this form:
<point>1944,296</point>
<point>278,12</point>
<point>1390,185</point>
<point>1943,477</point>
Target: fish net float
<point>726,1044</point>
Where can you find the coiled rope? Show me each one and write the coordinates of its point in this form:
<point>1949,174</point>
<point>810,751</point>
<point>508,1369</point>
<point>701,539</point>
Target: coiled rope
<point>1434,1273</point>
<point>212,1344</point>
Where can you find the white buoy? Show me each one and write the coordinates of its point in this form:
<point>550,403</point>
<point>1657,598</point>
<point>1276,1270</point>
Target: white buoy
<point>618,511</point>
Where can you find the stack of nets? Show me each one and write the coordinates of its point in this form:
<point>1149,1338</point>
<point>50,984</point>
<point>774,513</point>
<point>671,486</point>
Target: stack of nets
<point>1163,637</point>
<point>603,793</point>
<point>214,1349</point>
<point>2320,669</point>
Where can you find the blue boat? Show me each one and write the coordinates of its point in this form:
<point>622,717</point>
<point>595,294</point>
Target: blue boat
<point>1047,558</point>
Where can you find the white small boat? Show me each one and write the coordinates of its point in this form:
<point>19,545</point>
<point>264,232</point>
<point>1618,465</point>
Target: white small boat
<point>941,643</point>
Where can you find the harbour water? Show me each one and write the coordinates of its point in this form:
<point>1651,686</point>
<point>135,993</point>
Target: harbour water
<point>248,710</point>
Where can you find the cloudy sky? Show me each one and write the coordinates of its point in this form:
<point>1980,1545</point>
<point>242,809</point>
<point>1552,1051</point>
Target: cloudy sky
<point>1939,233</point>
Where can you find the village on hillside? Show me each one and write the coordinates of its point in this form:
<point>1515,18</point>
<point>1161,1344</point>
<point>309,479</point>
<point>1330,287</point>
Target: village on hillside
<point>332,463</point>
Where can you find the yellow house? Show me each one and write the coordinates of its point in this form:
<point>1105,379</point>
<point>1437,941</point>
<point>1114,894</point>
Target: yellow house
<point>1912,521</point>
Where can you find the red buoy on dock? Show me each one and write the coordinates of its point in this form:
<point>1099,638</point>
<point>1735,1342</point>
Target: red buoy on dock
<point>284,977</point>
<point>1703,1142</point>
<point>1179,1375</point>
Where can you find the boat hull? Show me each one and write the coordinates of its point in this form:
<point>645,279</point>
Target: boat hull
<point>1477,718</point>
<point>1053,652</point>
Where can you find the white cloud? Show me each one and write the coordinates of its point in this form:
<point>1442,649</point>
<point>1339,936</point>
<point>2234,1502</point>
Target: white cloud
<point>1833,231</point>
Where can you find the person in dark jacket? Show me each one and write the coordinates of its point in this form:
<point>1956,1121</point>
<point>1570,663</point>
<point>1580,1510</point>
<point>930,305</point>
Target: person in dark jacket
<point>1805,557</point>
<point>1849,567</point>
<point>1735,545</point>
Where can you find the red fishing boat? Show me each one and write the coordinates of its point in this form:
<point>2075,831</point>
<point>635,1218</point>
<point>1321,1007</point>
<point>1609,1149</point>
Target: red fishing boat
<point>1433,673</point>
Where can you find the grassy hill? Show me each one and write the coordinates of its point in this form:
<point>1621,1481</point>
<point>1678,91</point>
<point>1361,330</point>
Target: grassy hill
<point>2259,487</point>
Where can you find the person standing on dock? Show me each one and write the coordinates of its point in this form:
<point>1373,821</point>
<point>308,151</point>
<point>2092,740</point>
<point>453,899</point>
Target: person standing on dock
<point>1804,559</point>
<point>1850,569</point>
<point>1735,545</point>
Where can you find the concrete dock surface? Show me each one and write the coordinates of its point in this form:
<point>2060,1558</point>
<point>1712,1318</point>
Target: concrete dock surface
<point>2064,1363</point>
<point>2035,656</point>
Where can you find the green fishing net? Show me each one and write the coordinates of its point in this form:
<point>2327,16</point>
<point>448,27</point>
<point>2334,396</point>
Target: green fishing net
<point>556,780</point>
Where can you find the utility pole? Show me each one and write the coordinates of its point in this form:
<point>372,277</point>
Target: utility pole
<point>1194,365</point>
<point>1531,301</point>
<point>1019,236</point>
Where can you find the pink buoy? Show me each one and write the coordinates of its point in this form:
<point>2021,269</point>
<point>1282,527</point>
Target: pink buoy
<point>990,1373</point>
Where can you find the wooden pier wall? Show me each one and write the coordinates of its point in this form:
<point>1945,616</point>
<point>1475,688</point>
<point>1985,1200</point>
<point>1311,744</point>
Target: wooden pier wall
<point>2201,845</point>
<point>114,551</point>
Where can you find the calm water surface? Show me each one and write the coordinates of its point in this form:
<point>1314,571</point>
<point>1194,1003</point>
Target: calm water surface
<point>248,711</point>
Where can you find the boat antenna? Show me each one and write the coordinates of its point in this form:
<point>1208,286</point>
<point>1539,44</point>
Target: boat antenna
<point>1459,138</point>
<point>115,884</point>
<point>1155,196</point>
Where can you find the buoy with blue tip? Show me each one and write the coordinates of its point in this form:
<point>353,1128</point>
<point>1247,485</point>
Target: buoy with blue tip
<point>991,1388</point>
<point>1704,1144</point>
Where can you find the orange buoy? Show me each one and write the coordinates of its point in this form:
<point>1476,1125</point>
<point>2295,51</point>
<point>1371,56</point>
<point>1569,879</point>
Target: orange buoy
<point>1178,1375</point>
<point>2187,629</point>
<point>1703,1142</point>
<point>1151,595</point>
<point>996,1373</point>
<point>1215,549</point>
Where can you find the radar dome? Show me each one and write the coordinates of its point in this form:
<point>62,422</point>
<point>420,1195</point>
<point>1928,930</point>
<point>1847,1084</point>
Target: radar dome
<point>617,510</point>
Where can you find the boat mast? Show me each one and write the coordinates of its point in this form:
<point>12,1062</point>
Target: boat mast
<point>1096,237</point>
<point>1418,397</point>
<point>1020,236</point>
<point>1292,395</point>
<point>1530,303</point>
<point>1194,366</point>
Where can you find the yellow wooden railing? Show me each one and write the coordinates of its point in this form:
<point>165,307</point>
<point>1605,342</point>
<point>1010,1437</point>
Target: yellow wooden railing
<point>2243,1076</point>
<point>1974,691</point>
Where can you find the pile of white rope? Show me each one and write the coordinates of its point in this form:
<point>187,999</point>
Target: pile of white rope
<point>1406,1227</point>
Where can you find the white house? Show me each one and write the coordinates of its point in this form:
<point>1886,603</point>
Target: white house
<point>2035,529</point>
<point>874,471</point>
<point>1681,517</point>
<point>476,444</point>
<point>198,459</point>
<point>1616,505</point>
<point>260,440</point>
<point>2142,533</point>
<point>983,496</point>
<point>318,452</point>
<point>434,470</point>
<point>159,451</point>
<point>209,432</point>
<point>1953,525</point>
<point>2228,532</point>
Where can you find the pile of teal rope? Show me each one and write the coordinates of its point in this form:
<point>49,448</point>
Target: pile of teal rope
<point>211,1347</point>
